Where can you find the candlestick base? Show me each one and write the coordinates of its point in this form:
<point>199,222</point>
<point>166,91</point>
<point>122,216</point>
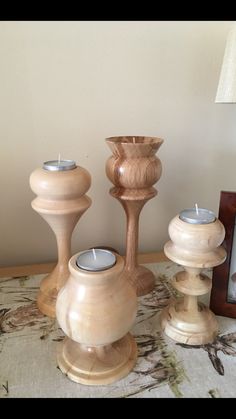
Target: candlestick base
<point>98,365</point>
<point>46,302</point>
<point>142,279</point>
<point>49,288</point>
<point>186,327</point>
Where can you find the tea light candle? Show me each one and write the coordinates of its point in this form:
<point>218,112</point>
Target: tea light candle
<point>197,215</point>
<point>96,260</point>
<point>59,165</point>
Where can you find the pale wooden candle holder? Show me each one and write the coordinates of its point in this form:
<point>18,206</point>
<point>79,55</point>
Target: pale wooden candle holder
<point>195,246</point>
<point>134,169</point>
<point>61,201</point>
<point>96,310</point>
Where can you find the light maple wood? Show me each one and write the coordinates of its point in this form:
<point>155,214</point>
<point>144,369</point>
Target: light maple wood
<point>134,169</point>
<point>195,246</point>
<point>96,310</point>
<point>61,201</point>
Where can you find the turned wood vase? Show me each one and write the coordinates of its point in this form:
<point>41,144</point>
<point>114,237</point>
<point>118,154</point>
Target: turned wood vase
<point>96,310</point>
<point>134,168</point>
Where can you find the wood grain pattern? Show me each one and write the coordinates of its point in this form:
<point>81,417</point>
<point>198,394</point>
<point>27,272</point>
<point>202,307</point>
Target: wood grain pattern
<point>96,310</point>
<point>61,201</point>
<point>195,246</point>
<point>133,169</point>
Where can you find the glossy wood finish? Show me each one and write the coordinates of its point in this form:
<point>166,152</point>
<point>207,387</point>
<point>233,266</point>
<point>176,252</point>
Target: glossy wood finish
<point>134,169</point>
<point>96,310</point>
<point>220,278</point>
<point>61,201</point>
<point>195,246</point>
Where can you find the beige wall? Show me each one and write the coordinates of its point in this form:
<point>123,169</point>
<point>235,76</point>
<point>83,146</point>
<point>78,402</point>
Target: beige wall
<point>66,86</point>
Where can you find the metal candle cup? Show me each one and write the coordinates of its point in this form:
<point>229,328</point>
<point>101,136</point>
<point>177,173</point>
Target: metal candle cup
<point>59,165</point>
<point>96,260</point>
<point>199,216</point>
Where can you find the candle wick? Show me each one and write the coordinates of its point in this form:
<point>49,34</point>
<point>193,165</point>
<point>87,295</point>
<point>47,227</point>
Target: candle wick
<point>59,159</point>
<point>94,254</point>
<point>133,140</point>
<point>196,206</point>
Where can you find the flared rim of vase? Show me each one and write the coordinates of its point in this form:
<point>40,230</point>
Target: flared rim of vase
<point>135,139</point>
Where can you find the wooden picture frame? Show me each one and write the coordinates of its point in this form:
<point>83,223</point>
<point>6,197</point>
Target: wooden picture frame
<point>223,293</point>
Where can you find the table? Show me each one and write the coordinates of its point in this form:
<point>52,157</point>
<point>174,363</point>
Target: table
<point>165,369</point>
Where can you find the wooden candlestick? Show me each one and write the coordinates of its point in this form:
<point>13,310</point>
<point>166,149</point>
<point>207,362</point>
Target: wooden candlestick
<point>195,246</point>
<point>61,201</point>
<point>96,310</point>
<point>133,169</point>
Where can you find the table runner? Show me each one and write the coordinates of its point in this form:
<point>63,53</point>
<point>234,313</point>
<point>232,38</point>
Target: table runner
<point>165,369</point>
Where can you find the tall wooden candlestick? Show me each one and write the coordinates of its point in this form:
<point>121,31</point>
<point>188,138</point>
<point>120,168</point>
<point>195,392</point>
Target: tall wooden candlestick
<point>61,200</point>
<point>195,244</point>
<point>133,169</point>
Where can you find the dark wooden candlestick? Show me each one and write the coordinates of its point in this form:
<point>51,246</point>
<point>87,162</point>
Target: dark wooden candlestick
<point>133,169</point>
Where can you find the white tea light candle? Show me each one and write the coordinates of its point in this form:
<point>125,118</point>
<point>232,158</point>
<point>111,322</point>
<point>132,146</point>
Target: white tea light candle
<point>96,260</point>
<point>59,165</point>
<point>197,216</point>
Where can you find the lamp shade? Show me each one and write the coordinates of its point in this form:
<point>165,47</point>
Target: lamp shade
<point>226,92</point>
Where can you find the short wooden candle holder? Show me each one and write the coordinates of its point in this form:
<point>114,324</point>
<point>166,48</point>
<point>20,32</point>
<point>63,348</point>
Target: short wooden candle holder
<point>194,246</point>
<point>61,201</point>
<point>96,311</point>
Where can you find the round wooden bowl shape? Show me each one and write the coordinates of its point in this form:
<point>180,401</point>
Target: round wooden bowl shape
<point>96,310</point>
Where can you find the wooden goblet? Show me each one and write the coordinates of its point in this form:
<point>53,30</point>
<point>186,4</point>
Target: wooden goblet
<point>61,201</point>
<point>195,246</point>
<point>133,169</point>
<point>96,310</point>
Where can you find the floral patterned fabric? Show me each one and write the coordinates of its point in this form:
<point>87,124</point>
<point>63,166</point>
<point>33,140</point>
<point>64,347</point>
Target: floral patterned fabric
<point>28,343</point>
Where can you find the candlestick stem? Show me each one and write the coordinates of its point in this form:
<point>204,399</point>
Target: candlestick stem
<point>64,253</point>
<point>189,304</point>
<point>132,210</point>
<point>62,226</point>
<point>140,277</point>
